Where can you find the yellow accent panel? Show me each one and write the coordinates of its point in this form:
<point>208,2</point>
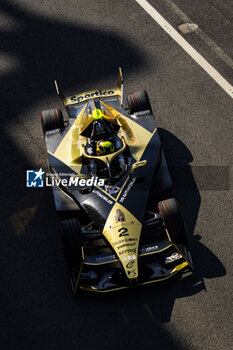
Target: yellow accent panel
<point>84,122</point>
<point>180,266</point>
<point>107,114</point>
<point>119,79</point>
<point>80,124</point>
<point>113,111</point>
<point>142,138</point>
<point>177,248</point>
<point>126,129</point>
<point>124,238</point>
<point>69,150</point>
<point>136,136</point>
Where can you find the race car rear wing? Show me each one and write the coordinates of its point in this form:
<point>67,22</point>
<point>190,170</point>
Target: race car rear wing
<point>75,99</point>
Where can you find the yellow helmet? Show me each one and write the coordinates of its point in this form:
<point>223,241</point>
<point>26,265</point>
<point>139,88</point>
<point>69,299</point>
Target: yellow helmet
<point>97,114</point>
<point>104,147</point>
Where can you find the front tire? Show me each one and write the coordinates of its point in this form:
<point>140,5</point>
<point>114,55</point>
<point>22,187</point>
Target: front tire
<point>173,219</point>
<point>52,119</point>
<point>138,102</point>
<point>70,231</point>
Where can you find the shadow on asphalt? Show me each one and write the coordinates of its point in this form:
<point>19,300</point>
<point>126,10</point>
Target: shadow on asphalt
<point>187,192</point>
<point>46,49</point>
<point>179,161</point>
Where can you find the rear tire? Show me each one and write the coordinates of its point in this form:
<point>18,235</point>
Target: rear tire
<point>138,102</point>
<point>171,213</point>
<point>70,231</point>
<point>52,119</point>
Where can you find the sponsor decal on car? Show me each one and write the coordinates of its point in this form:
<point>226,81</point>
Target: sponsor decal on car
<point>127,190</point>
<point>125,240</point>
<point>90,94</point>
<point>99,194</point>
<point>130,264</point>
<point>131,270</point>
<point>127,251</point>
<point>132,273</point>
<point>129,257</point>
<point>149,249</point>
<point>112,189</point>
<point>105,258</point>
<point>126,245</point>
<point>147,111</point>
<point>173,257</point>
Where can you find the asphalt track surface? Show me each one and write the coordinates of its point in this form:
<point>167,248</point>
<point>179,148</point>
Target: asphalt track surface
<point>81,44</point>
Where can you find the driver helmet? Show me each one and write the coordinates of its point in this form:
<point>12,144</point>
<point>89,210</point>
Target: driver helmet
<point>104,147</point>
<point>97,114</point>
<point>98,122</point>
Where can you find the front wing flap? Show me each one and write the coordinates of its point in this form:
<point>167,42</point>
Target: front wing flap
<point>157,262</point>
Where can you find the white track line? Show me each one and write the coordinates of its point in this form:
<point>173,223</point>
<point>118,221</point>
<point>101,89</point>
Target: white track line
<point>199,59</point>
<point>218,51</point>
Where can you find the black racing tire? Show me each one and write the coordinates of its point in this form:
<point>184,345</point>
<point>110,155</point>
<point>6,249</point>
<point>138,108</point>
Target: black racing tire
<point>70,232</point>
<point>138,102</point>
<point>52,119</point>
<point>171,213</point>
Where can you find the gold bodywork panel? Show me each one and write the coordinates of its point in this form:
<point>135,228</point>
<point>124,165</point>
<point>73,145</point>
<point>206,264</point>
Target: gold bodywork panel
<point>69,150</point>
<point>140,141</point>
<point>136,136</point>
<point>180,266</point>
<point>124,237</point>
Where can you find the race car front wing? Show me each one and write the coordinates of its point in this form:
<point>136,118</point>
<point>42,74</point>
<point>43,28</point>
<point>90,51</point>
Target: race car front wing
<point>156,262</point>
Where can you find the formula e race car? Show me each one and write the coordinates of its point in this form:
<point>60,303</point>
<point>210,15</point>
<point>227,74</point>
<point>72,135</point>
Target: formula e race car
<point>110,183</point>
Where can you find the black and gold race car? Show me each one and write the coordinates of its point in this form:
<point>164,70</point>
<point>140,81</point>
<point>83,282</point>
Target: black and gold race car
<point>118,226</point>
